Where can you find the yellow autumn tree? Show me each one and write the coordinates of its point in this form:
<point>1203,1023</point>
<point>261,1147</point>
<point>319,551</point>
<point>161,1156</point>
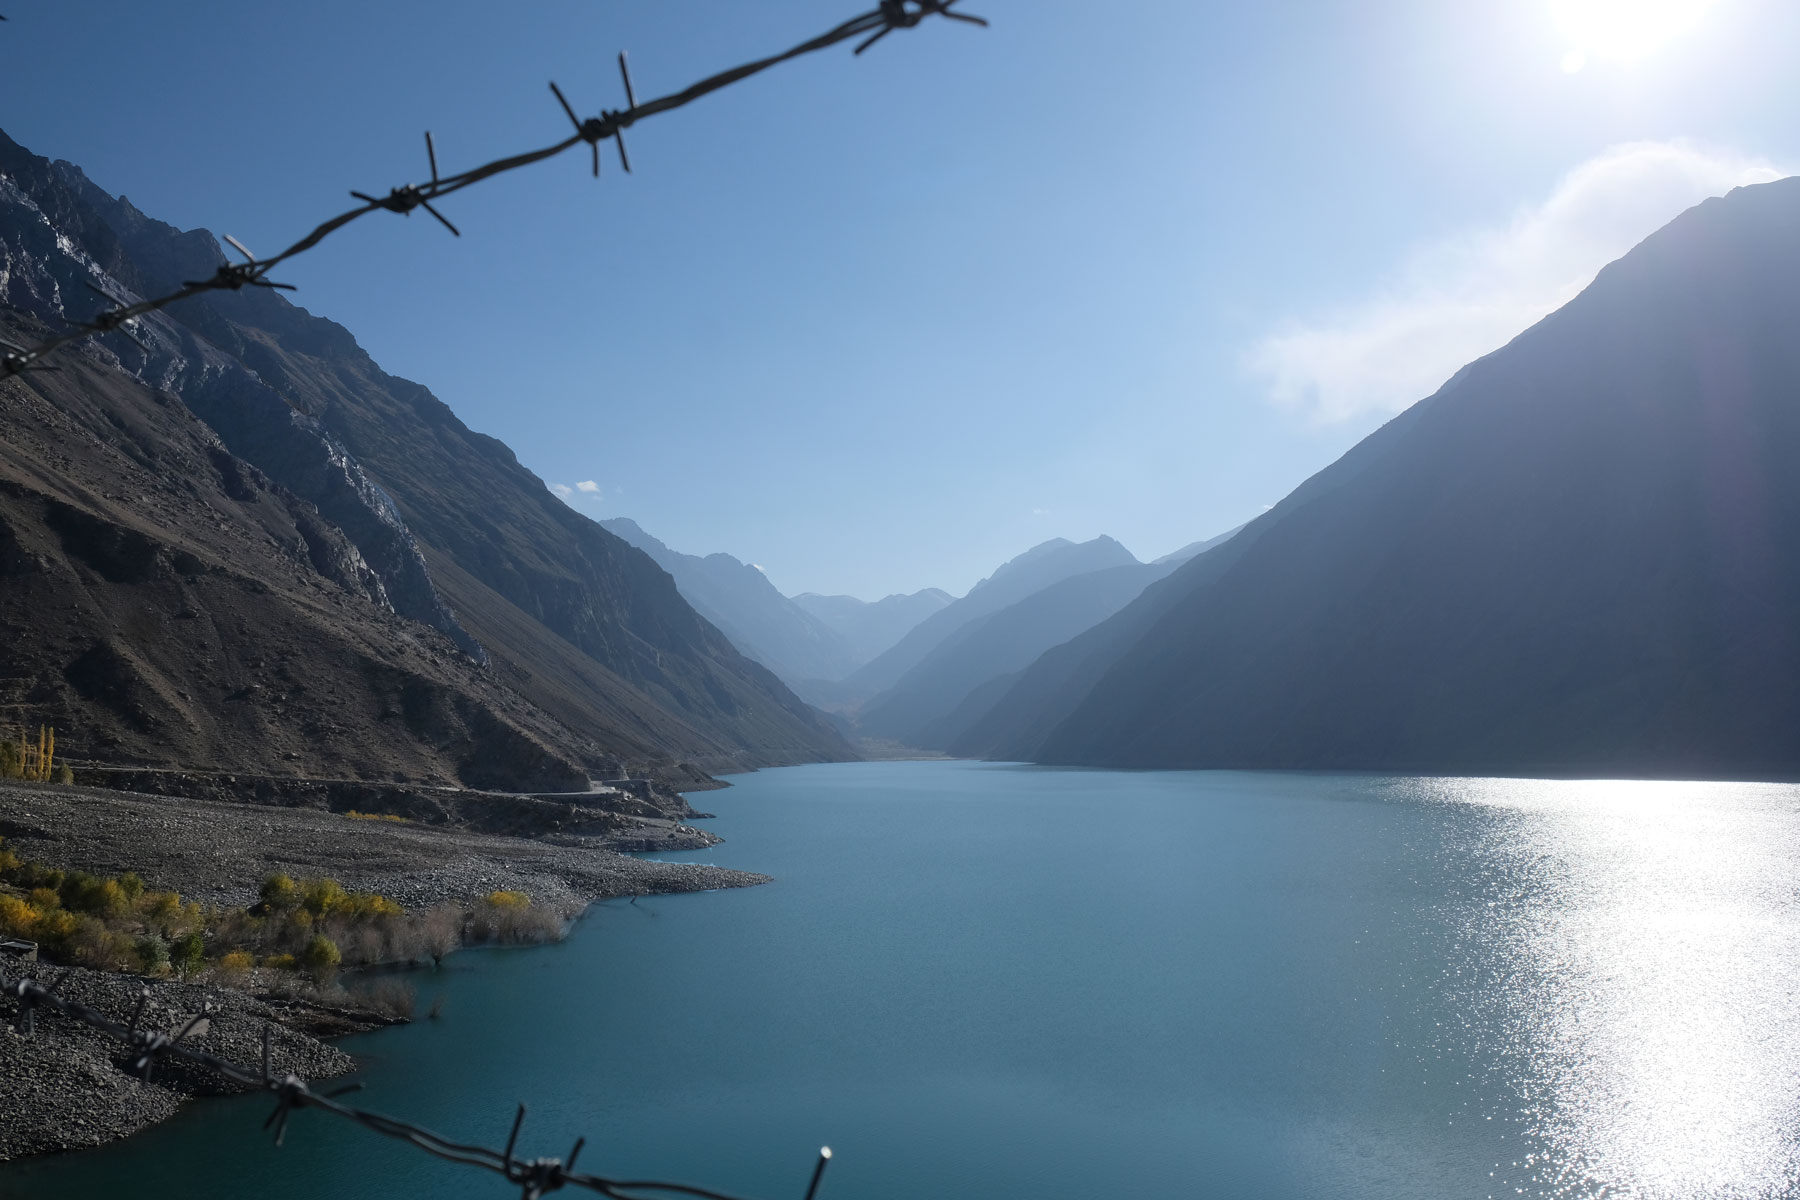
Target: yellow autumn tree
<point>30,759</point>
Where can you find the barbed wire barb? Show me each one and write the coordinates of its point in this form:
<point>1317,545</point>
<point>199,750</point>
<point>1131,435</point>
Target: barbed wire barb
<point>611,123</point>
<point>630,107</point>
<point>535,1177</point>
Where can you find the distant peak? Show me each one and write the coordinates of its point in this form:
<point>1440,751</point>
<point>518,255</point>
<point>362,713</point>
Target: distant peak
<point>634,534</point>
<point>1059,557</point>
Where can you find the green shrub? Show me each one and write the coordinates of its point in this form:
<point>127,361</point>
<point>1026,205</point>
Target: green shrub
<point>366,906</point>
<point>107,900</point>
<point>75,889</point>
<point>160,907</point>
<point>92,944</point>
<point>321,955</point>
<point>152,954</point>
<point>324,896</point>
<point>54,929</point>
<point>30,875</point>
<point>279,893</point>
<point>65,776</point>
<point>188,953</point>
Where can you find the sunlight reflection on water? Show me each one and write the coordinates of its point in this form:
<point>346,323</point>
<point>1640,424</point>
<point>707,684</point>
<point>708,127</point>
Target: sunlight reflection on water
<point>1633,968</point>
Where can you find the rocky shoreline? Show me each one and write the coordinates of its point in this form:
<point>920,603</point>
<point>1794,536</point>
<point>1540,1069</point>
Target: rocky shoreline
<point>65,1088</point>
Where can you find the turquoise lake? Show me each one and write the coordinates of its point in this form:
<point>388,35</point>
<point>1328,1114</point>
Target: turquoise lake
<point>1005,982</point>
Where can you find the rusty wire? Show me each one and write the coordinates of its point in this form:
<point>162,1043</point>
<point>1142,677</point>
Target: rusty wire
<point>535,1177</point>
<point>871,26</point>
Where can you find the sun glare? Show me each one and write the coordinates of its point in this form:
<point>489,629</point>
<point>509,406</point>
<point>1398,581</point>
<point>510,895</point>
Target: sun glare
<point>1622,30</point>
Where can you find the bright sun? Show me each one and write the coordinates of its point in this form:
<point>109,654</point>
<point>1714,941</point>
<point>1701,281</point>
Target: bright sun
<point>1622,29</point>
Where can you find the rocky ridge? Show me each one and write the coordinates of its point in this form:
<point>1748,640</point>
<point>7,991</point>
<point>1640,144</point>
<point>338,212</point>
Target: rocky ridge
<point>245,465</point>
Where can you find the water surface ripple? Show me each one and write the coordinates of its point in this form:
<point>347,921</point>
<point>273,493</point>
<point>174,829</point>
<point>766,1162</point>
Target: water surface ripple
<point>1000,981</point>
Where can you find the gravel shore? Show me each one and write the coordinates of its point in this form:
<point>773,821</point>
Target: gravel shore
<point>65,1089</point>
<point>220,852</point>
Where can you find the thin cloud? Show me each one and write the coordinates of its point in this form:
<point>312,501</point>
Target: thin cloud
<point>1455,300</point>
<point>563,490</point>
<point>588,485</point>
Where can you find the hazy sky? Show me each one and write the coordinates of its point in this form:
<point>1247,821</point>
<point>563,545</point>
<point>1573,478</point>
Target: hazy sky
<point>877,324</point>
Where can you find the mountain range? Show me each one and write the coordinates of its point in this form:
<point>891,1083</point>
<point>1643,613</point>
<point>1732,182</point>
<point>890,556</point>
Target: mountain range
<point>1044,564</point>
<point>807,637</point>
<point>230,539</point>
<point>1581,555</point>
<point>949,688</point>
<point>914,670</point>
<point>944,656</point>
<point>870,627</point>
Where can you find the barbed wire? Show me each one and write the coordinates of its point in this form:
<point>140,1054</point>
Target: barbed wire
<point>871,26</point>
<point>535,1177</point>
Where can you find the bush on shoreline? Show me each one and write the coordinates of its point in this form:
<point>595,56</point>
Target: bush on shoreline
<point>311,926</point>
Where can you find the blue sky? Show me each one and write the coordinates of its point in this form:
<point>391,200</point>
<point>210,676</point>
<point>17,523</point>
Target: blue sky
<point>879,324</point>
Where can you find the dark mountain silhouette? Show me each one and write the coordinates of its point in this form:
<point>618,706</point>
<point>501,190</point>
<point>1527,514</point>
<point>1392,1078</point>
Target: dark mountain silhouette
<point>1581,555</point>
<point>746,607</point>
<point>403,509</point>
<point>869,627</point>
<point>1036,569</point>
<point>1195,549</point>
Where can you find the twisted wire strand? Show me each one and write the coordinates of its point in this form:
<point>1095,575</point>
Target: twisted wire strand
<point>872,26</point>
<point>534,1177</point>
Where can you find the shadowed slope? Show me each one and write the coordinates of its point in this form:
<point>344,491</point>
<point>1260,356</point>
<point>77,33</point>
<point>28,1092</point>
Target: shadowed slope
<point>1582,554</point>
<point>390,470</point>
<point>919,710</point>
<point>746,607</point>
<point>1036,569</point>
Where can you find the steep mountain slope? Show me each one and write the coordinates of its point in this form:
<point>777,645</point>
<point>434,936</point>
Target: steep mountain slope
<point>163,603</point>
<point>746,607</point>
<point>1582,555</point>
<point>869,627</point>
<point>917,711</point>
<point>1194,549</point>
<point>1036,569</point>
<point>452,531</point>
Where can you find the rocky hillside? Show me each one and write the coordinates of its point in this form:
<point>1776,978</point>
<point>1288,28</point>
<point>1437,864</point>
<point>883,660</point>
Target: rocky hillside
<point>236,541</point>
